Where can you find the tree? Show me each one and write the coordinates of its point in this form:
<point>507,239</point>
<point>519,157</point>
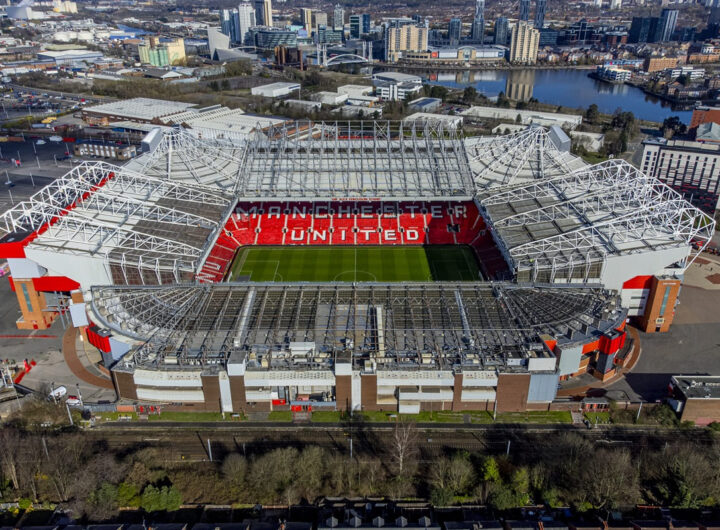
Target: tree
<point>469,95</point>
<point>160,499</point>
<point>225,84</point>
<point>234,468</point>
<point>592,114</point>
<point>672,126</point>
<point>403,446</point>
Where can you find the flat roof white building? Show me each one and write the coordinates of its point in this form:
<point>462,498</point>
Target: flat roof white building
<point>137,109</point>
<point>330,98</point>
<point>528,117</point>
<point>275,90</point>
<point>447,121</point>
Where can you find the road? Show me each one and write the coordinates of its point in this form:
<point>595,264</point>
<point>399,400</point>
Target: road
<point>89,98</point>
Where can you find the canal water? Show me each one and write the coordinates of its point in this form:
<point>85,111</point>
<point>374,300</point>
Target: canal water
<point>568,88</point>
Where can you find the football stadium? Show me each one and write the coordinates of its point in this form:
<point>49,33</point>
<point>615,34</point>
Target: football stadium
<point>352,266</point>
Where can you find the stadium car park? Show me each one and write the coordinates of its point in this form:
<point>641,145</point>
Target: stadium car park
<point>294,270</point>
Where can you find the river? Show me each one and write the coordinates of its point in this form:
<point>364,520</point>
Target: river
<point>567,87</point>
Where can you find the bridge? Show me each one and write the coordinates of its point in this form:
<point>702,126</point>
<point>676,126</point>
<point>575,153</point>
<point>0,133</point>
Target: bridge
<point>344,58</point>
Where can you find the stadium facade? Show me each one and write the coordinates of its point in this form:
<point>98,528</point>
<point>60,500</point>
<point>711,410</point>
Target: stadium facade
<point>138,258</point>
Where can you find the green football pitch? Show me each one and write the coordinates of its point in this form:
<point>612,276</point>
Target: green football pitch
<point>355,264</point>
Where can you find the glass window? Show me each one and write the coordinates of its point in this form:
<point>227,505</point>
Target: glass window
<point>664,301</point>
<point>26,294</point>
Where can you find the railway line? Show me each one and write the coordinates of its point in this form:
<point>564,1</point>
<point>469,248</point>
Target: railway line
<point>201,442</point>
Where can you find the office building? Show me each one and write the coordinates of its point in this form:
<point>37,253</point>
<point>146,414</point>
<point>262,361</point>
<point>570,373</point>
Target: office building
<point>338,17</point>
<point>524,43</point>
<point>359,25</point>
<point>691,168</point>
<point>246,19</point>
<point>524,10</point>
<point>454,31</point>
<point>669,22</point>
<point>404,37</point>
<point>263,13</point>
<point>162,52</point>
<point>306,16</point>
<point>540,6</point>
<point>502,31</point>
<point>320,18</point>
<point>268,38</point>
<point>478,28</point>
<point>615,4</point>
<point>329,35</point>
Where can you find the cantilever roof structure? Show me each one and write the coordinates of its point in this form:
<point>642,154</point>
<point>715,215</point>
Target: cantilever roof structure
<point>183,158</point>
<point>144,230</point>
<point>424,325</point>
<point>524,156</point>
<point>356,159</point>
<point>565,227</point>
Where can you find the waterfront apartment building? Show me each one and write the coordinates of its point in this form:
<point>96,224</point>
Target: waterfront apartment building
<point>402,38</point>
<point>162,52</point>
<point>524,43</point>
<point>691,168</point>
<point>658,64</point>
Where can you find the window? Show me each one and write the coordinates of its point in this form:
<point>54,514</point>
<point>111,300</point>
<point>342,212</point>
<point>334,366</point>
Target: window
<point>26,294</point>
<point>664,301</point>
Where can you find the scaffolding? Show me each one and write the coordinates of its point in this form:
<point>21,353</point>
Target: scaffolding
<point>146,230</point>
<point>421,326</point>
<point>524,156</point>
<point>307,160</point>
<point>565,228</point>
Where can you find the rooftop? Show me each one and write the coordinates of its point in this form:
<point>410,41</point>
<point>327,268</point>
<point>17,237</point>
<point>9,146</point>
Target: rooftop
<point>410,326</point>
<point>140,108</point>
<point>575,220</point>
<point>147,231</point>
<point>698,386</point>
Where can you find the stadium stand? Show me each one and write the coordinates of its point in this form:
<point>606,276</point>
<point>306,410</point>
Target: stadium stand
<point>351,223</point>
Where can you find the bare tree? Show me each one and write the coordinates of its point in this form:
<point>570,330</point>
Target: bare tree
<point>9,453</point>
<point>404,446</point>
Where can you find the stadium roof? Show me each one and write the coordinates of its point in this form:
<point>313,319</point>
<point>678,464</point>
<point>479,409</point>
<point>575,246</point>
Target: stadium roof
<point>147,230</point>
<point>356,159</point>
<point>183,158</point>
<point>524,156</point>
<point>424,325</point>
<point>569,224</point>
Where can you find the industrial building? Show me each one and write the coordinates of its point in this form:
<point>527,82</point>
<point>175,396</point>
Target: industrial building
<point>137,256</point>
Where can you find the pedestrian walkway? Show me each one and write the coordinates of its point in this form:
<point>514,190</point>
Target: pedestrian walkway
<point>76,366</point>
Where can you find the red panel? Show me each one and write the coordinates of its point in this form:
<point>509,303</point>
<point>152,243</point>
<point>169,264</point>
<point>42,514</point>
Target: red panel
<point>591,347</point>
<point>278,402</point>
<point>638,282</point>
<point>101,343</point>
<point>55,283</point>
<point>12,283</point>
<point>16,249</point>
<point>551,343</point>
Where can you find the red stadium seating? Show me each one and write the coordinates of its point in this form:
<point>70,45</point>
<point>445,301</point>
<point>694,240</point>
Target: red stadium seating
<point>353,223</point>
